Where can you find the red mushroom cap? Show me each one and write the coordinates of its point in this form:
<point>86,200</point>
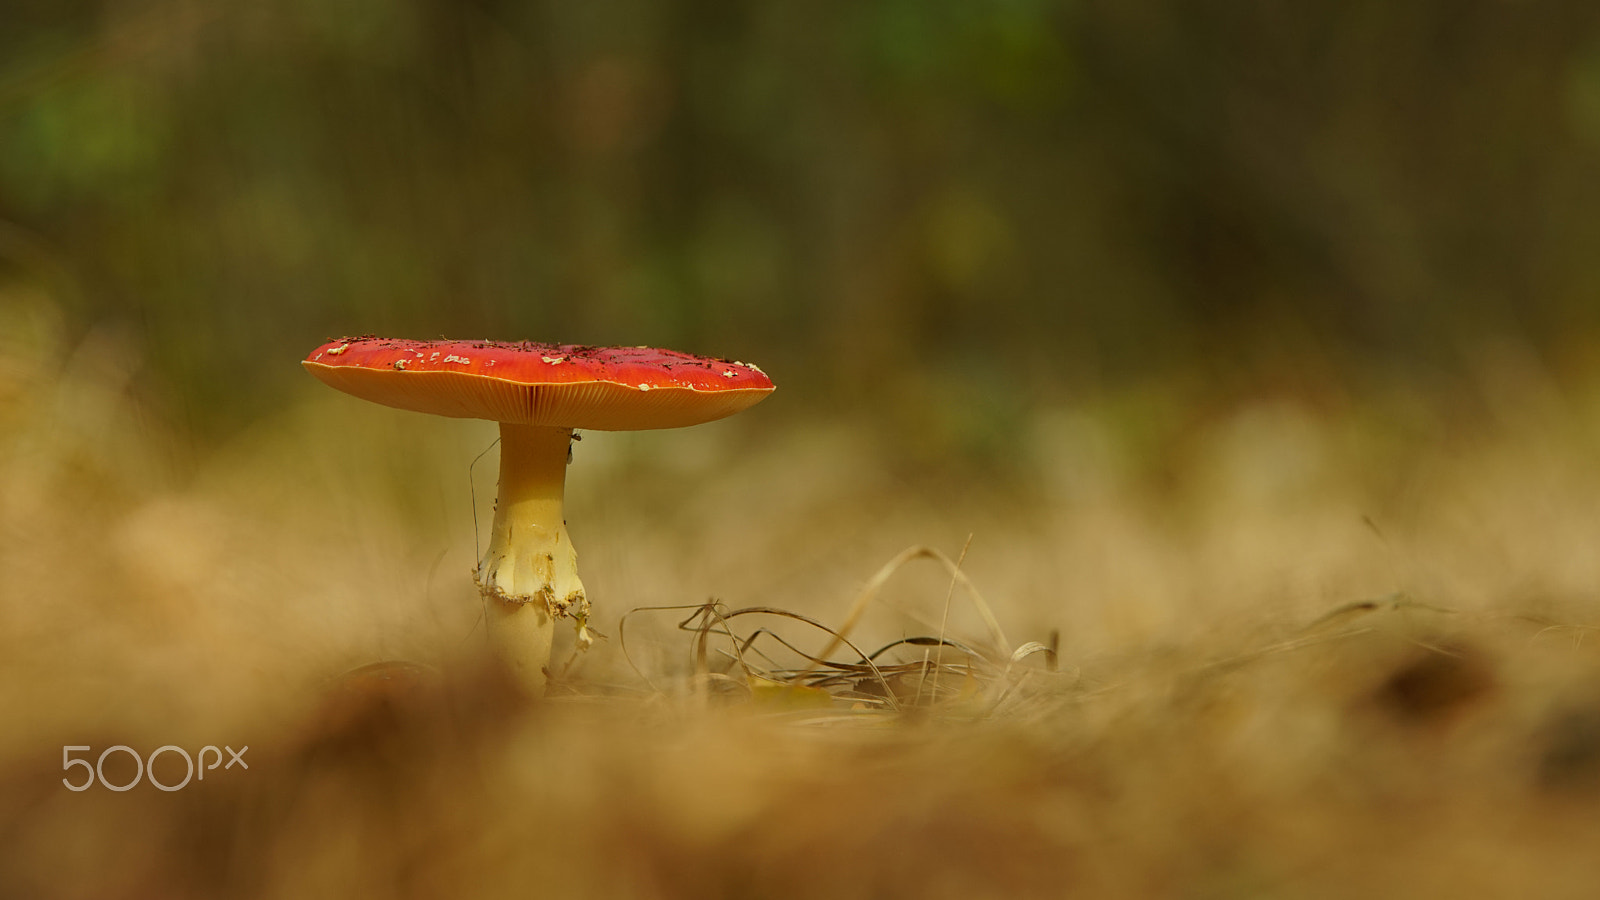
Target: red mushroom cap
<point>558,385</point>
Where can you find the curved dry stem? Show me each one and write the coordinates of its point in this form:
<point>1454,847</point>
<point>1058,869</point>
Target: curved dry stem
<point>876,583</point>
<point>622,634</point>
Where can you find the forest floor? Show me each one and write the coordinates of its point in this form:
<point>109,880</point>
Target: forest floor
<point>1295,646</point>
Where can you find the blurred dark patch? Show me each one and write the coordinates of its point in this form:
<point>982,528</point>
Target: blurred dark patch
<point>385,720</point>
<point>1436,683</point>
<point>391,757</point>
<point>1569,762</point>
<point>380,704</point>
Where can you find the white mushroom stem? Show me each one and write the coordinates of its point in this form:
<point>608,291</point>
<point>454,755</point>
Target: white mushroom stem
<point>529,574</point>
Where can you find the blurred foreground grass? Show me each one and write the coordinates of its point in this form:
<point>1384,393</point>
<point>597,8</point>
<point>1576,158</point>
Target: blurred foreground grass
<point>1310,645</point>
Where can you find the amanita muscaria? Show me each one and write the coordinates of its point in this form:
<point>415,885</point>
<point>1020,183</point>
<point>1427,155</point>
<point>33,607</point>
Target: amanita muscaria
<point>539,393</point>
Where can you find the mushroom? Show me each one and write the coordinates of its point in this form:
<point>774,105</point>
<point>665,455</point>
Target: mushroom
<point>538,393</point>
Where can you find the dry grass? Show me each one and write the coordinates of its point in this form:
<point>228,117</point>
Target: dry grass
<point>1301,649</point>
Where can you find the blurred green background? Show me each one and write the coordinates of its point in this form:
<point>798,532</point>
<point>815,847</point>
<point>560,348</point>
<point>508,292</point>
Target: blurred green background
<point>900,203</point>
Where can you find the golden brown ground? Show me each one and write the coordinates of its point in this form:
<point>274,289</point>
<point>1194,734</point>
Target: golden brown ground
<point>1306,647</point>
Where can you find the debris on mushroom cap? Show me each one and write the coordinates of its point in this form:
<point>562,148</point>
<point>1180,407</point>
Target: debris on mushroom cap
<point>560,385</point>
